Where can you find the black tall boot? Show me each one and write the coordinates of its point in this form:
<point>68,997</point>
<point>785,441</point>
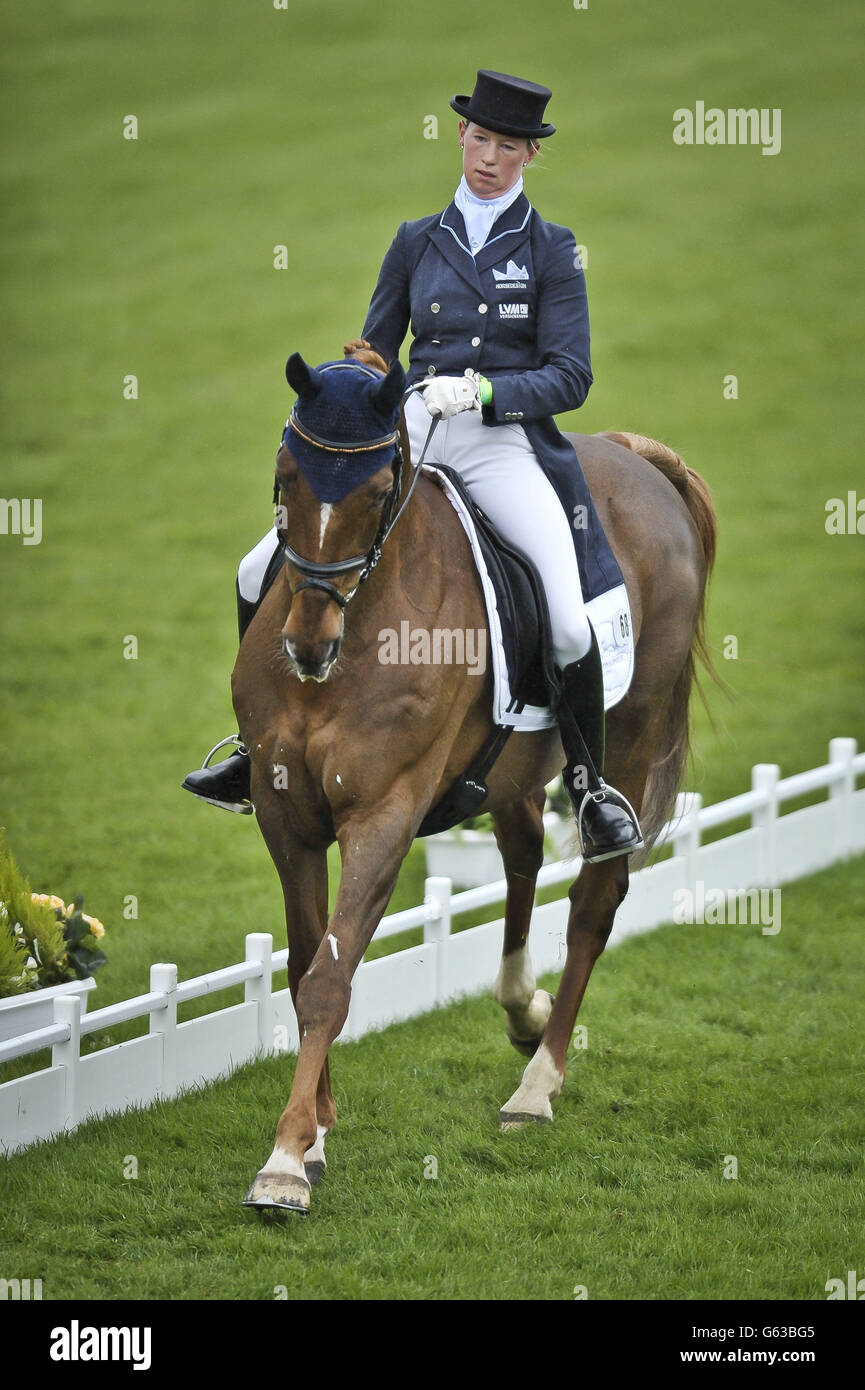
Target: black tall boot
<point>227,784</point>
<point>606,823</point>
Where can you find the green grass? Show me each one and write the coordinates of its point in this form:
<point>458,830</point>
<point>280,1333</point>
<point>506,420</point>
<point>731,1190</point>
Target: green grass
<point>703,1042</point>
<point>154,257</point>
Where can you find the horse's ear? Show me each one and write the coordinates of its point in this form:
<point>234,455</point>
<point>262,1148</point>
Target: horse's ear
<point>301,378</point>
<point>387,394</point>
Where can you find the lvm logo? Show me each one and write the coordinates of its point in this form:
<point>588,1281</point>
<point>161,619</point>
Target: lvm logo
<point>20,1289</point>
<point>736,126</point>
<point>513,311</point>
<point>733,907</point>
<point>77,1343</point>
<point>21,516</point>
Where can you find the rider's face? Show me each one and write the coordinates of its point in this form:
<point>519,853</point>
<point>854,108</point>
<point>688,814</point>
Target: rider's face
<point>492,163</point>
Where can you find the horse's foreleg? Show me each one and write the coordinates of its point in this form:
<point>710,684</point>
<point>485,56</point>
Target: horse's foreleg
<point>303,872</point>
<point>520,837</point>
<point>372,850</point>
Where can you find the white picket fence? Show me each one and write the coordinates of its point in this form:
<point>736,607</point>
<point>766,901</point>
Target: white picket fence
<point>775,849</point>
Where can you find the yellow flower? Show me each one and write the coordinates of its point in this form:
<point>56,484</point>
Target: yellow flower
<point>48,900</point>
<point>96,927</point>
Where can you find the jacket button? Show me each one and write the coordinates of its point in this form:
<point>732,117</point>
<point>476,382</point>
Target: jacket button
<point>476,342</point>
<point>482,308</point>
<point>435,308</point>
<point>431,371</point>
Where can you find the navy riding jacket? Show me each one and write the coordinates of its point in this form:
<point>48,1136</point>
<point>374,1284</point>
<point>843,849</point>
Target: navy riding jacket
<point>517,312</point>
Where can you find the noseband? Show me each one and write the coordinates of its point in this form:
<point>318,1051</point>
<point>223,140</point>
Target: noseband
<point>318,574</point>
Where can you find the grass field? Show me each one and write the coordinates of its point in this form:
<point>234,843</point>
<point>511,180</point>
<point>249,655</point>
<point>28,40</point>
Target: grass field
<point>703,1044</point>
<point>154,257</point>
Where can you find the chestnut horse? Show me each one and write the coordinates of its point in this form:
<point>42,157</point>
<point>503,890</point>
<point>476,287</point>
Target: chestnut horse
<point>366,749</point>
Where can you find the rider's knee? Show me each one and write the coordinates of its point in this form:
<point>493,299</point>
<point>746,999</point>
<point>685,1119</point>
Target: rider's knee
<point>253,567</point>
<point>571,639</point>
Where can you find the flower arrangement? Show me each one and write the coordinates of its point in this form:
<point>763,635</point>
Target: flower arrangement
<point>43,941</point>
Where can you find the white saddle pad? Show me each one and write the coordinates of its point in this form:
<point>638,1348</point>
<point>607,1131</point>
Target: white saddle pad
<point>609,614</point>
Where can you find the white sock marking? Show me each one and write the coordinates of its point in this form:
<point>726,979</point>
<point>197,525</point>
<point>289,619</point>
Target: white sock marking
<point>315,1154</point>
<point>540,1081</point>
<point>515,983</point>
<point>282,1162</point>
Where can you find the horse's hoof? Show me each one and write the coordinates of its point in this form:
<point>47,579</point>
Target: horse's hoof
<point>315,1171</point>
<point>517,1119</point>
<point>274,1193</point>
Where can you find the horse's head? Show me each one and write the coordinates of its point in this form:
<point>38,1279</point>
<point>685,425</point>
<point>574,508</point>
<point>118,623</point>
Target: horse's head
<point>338,473</point>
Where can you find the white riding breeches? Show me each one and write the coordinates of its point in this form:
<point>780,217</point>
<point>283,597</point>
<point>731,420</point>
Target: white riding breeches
<point>501,472</point>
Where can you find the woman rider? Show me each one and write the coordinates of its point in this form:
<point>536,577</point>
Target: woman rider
<point>496,300</point>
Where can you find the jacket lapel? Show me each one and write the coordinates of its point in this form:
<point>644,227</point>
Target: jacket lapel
<point>450,236</point>
<point>507,233</point>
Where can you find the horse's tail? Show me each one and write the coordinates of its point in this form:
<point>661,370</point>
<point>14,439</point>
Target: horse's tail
<point>668,771</point>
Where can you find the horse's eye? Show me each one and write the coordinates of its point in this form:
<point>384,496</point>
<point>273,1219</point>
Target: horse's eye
<point>379,501</point>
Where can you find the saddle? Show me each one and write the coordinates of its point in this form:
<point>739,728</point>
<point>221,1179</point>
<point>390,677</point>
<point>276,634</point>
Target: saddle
<point>525,630</point>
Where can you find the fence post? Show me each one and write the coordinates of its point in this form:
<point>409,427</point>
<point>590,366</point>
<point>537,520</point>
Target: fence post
<point>764,778</point>
<point>437,929</point>
<point>686,836</point>
<point>67,1009</point>
<point>842,751</point>
<point>163,980</point>
<point>259,946</point>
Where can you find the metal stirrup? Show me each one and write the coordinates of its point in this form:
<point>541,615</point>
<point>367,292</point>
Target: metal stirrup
<point>598,798</point>
<point>232,738</point>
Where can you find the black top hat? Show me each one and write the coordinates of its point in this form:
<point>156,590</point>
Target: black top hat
<point>508,105</point>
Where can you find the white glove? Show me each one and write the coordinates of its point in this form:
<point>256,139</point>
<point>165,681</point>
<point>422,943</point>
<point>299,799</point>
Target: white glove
<point>448,395</point>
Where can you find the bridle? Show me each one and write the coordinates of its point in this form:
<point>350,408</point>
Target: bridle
<point>318,574</point>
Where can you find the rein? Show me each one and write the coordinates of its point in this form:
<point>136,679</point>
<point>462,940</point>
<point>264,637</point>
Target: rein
<point>317,574</point>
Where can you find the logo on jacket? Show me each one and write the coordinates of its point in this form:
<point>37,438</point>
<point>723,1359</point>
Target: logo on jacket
<point>513,311</point>
<point>512,272</point>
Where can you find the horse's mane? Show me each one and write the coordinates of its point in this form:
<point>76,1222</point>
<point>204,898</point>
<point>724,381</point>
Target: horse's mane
<point>361,351</point>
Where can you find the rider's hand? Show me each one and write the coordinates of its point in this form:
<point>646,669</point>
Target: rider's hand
<point>448,395</point>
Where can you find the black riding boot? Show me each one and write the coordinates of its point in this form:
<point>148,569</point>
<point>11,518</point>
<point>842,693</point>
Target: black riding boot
<point>228,783</point>
<point>606,823</point>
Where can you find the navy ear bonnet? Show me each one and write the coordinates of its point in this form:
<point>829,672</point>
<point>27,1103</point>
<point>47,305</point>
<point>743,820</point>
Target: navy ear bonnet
<point>344,424</point>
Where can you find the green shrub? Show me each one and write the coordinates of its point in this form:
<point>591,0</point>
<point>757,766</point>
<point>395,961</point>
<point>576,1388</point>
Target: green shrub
<point>42,940</point>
